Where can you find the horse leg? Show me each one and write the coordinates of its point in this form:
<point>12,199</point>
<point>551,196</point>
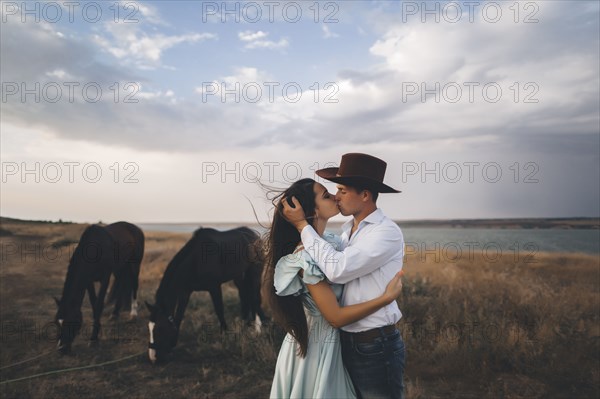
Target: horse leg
<point>91,289</point>
<point>261,314</point>
<point>99,308</point>
<point>254,298</point>
<point>217,299</point>
<point>182,302</point>
<point>134,287</point>
<point>252,289</point>
<point>243,294</point>
<point>257,301</point>
<point>92,295</point>
<point>118,288</point>
<point>181,306</point>
<point>118,303</point>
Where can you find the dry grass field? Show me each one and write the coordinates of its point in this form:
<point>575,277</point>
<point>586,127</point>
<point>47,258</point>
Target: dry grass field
<point>512,328</point>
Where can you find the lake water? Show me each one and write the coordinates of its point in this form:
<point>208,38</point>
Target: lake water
<point>465,240</point>
<point>511,240</point>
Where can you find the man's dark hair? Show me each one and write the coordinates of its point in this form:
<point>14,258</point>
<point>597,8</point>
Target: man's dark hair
<point>359,188</point>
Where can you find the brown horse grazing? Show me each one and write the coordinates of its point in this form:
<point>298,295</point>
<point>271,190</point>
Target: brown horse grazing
<point>206,261</point>
<point>102,250</point>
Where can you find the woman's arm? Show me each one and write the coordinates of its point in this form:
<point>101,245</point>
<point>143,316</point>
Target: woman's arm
<point>339,316</point>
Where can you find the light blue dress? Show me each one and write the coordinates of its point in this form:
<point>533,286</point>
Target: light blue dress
<point>321,374</point>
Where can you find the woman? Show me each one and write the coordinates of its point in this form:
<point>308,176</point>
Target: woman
<point>305,304</point>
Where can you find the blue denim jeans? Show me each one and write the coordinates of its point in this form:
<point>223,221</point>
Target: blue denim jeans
<point>377,367</point>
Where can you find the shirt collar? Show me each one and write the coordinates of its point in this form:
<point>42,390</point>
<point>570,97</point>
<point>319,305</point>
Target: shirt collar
<point>374,217</point>
<point>348,225</point>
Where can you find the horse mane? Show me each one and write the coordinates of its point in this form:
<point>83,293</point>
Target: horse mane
<point>185,251</point>
<point>76,260</point>
<point>171,269</point>
<point>250,234</point>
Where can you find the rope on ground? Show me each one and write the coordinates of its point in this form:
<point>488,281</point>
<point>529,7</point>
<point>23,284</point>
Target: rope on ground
<point>72,369</point>
<point>28,360</point>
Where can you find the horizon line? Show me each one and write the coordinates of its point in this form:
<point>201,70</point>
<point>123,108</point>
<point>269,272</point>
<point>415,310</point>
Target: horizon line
<point>341,221</point>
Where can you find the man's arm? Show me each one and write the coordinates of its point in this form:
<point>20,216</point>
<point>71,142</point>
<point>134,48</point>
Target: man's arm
<point>368,254</point>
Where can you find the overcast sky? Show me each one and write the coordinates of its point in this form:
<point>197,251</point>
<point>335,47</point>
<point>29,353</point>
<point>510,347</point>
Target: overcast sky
<point>168,111</point>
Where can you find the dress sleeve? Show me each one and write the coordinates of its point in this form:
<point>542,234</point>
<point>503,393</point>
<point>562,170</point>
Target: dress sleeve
<point>286,280</point>
<point>312,273</point>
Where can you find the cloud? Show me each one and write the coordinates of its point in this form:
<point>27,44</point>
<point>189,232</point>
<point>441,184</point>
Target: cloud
<point>142,95</point>
<point>245,75</point>
<point>268,44</point>
<point>255,40</point>
<point>149,12</point>
<point>249,36</point>
<point>373,112</point>
<point>130,43</point>
<point>60,74</point>
<point>242,77</point>
<point>327,33</point>
<point>135,38</point>
<point>547,64</point>
<point>154,119</point>
<point>33,52</point>
<point>562,68</point>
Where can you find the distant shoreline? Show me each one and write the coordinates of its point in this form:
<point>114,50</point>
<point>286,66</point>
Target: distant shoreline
<point>516,223</point>
<point>508,223</point>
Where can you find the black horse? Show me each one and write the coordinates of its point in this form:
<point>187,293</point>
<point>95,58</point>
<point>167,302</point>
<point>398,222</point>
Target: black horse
<point>206,261</point>
<point>102,250</point>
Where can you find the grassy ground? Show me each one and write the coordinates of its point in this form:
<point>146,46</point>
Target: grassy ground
<point>473,328</point>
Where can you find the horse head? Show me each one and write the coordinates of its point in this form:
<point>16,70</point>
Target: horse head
<point>68,321</point>
<point>163,333</point>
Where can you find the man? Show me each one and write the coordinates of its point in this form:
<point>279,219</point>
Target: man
<point>372,252</point>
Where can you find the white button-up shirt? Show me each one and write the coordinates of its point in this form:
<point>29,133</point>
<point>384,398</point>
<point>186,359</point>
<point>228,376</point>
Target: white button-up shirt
<point>366,263</point>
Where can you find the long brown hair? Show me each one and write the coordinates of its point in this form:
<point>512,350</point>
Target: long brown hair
<point>282,239</point>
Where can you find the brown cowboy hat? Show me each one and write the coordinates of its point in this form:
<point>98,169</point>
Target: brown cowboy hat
<point>359,169</point>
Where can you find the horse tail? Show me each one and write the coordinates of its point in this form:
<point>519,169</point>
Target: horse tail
<point>133,267</point>
<point>136,264</point>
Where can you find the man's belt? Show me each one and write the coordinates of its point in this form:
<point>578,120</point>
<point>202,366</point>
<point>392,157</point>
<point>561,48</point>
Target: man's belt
<point>364,337</point>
